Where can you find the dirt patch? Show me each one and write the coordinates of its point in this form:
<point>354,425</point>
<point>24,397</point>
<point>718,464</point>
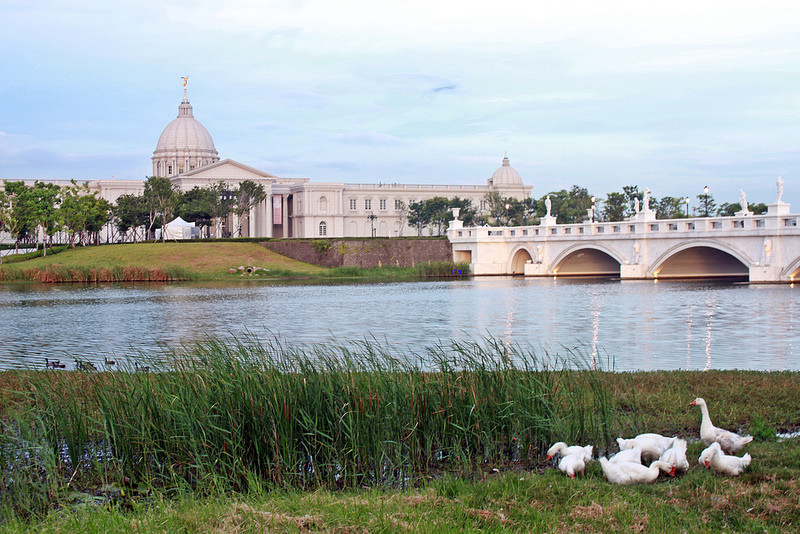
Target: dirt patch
<point>244,518</point>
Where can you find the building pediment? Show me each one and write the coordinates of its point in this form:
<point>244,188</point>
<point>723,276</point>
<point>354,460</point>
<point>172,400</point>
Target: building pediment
<point>228,169</point>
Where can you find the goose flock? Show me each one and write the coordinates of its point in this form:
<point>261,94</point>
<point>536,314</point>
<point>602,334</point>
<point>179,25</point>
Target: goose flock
<point>660,453</point>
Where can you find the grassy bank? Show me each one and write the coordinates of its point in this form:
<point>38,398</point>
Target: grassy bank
<point>218,260</point>
<point>247,435</point>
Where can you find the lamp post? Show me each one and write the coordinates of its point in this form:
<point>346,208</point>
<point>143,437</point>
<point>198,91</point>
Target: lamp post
<point>705,201</point>
<point>507,206</point>
<point>591,213</point>
<point>687,206</point>
<point>372,218</point>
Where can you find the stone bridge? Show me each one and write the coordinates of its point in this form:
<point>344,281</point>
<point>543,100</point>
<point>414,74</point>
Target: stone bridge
<point>760,248</point>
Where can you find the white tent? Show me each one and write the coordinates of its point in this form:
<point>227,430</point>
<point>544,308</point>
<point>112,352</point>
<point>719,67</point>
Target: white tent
<point>179,229</point>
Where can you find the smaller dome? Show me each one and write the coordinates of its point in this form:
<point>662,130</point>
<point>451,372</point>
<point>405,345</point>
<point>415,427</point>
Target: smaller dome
<point>506,174</point>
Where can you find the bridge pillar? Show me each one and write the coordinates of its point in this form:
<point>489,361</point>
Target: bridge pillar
<point>632,272</point>
<point>765,273</point>
<point>535,269</point>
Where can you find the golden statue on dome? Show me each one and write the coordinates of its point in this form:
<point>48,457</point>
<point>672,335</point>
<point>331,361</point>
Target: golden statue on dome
<point>185,79</point>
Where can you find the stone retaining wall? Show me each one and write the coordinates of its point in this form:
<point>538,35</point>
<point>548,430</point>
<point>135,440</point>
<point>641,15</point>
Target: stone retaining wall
<point>405,252</point>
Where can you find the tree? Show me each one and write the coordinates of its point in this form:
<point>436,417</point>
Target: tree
<point>402,217</point>
<point>16,220</point>
<point>615,206</point>
<point>130,212</point>
<point>248,195</point>
<point>83,212</point>
<point>161,198</point>
<point>198,206</point>
<point>468,212</point>
<point>37,208</point>
<point>221,205</point>
<point>707,204</point>
<point>632,192</point>
<point>496,206</point>
<point>417,216</point>
<point>569,207</point>
<point>670,208</point>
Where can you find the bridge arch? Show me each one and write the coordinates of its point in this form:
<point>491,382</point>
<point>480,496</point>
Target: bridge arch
<point>519,256</point>
<point>695,259</point>
<point>587,259</point>
<point>791,272</point>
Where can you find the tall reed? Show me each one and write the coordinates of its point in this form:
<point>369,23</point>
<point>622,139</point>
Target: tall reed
<point>221,414</point>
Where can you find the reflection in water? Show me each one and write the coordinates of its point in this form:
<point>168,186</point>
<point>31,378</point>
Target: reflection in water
<point>689,337</point>
<point>709,320</point>
<point>637,325</point>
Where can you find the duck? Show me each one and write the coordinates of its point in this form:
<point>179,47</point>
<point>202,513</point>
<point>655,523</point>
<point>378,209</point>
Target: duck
<point>564,450</point>
<point>730,442</point>
<point>633,455</point>
<point>633,473</point>
<point>662,441</point>
<point>719,462</point>
<point>676,456</point>
<point>572,464</point>
<point>652,447</point>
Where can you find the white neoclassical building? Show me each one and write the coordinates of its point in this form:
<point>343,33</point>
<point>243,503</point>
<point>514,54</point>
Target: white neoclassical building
<point>298,207</point>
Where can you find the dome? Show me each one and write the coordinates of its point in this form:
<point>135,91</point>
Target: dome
<point>184,145</point>
<point>506,175</point>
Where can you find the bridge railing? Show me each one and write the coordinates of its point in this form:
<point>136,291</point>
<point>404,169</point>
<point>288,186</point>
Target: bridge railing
<point>638,226</point>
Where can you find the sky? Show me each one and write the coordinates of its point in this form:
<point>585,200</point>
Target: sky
<point>670,96</point>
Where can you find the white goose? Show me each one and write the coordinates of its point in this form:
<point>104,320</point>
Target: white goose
<point>730,442</point>
<point>652,445</point>
<point>628,455</point>
<point>719,462</point>
<point>572,464</point>
<point>633,473</point>
<point>676,456</point>
<point>561,448</point>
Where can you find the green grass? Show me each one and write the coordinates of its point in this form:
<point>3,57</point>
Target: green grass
<point>192,261</point>
<point>763,499</point>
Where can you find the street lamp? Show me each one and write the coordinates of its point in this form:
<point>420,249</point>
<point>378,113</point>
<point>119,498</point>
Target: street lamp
<point>705,201</point>
<point>591,213</point>
<point>507,206</point>
<point>372,218</point>
<point>687,206</point>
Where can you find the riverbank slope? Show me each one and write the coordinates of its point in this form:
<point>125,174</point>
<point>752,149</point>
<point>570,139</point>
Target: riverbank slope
<point>190,260</point>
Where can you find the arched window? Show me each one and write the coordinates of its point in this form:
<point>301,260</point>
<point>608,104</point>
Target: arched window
<point>323,204</point>
<point>323,228</point>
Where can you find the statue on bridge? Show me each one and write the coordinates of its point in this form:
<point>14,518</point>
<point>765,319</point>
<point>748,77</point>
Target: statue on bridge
<point>743,200</point>
<point>547,205</point>
<point>646,201</point>
<point>779,183</point>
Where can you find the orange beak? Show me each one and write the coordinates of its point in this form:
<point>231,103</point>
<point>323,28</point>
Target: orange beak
<point>549,456</point>
<point>672,471</point>
<point>572,475</point>
<point>707,464</point>
<point>693,403</point>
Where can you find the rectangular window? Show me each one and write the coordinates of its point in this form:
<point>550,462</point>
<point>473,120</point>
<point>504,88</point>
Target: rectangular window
<point>383,203</point>
<point>352,203</point>
<point>368,204</point>
<point>398,204</point>
<point>483,205</point>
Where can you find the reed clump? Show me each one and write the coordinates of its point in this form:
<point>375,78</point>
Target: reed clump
<point>227,415</point>
<point>57,274</point>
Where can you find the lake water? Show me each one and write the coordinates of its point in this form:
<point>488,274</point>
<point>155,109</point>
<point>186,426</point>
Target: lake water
<point>632,324</point>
